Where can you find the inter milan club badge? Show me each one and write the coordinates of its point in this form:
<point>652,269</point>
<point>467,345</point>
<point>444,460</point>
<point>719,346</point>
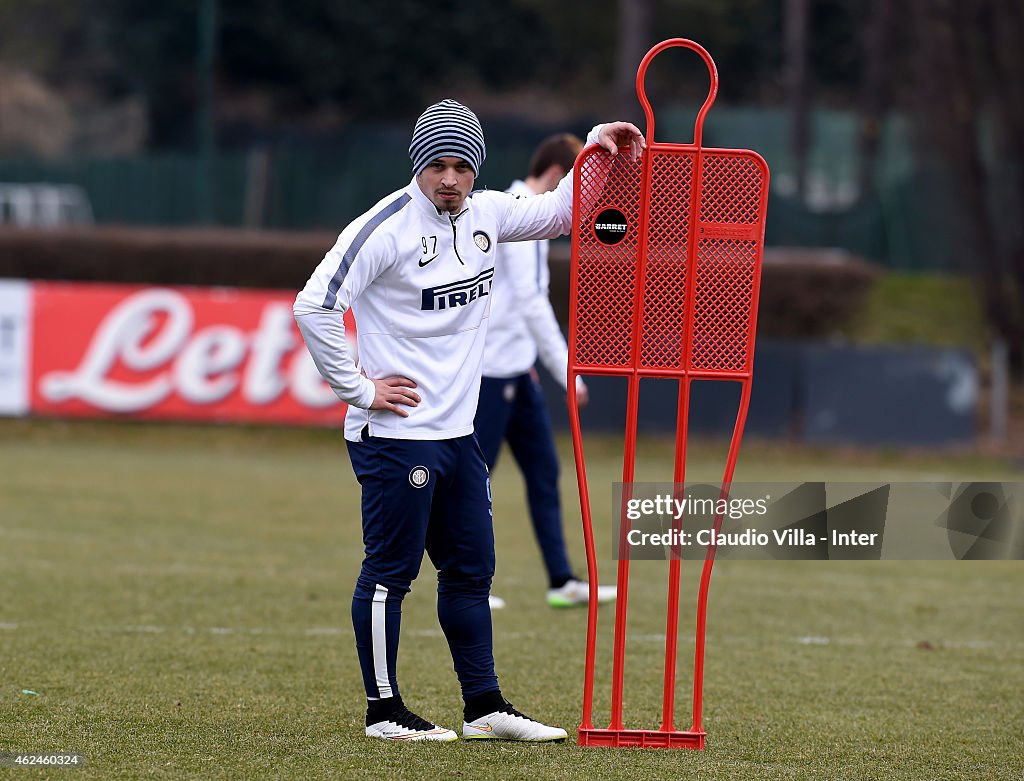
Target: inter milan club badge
<point>419,476</point>
<point>482,240</point>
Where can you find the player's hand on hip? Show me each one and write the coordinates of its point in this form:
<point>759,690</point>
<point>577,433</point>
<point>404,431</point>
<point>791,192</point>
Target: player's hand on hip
<point>618,134</point>
<point>394,393</point>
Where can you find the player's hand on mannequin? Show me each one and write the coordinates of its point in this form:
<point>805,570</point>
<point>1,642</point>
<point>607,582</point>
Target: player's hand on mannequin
<point>618,134</point>
<point>394,393</point>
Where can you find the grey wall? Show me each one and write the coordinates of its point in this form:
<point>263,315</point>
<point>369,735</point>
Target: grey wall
<point>811,392</point>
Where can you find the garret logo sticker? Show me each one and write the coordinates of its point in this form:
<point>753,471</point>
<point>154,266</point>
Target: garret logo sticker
<point>419,476</point>
<point>482,240</point>
<point>610,226</point>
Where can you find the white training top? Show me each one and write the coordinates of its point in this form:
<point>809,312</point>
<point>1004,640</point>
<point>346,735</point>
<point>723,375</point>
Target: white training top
<point>418,283</point>
<point>522,323</point>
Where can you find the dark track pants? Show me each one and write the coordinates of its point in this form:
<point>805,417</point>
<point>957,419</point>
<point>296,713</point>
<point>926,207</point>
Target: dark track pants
<point>416,496</point>
<point>513,409</point>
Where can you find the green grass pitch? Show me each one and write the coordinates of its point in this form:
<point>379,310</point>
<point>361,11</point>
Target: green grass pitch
<point>178,599</point>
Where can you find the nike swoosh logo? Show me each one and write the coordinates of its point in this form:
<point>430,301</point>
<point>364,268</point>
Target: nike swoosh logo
<point>487,728</point>
<point>420,734</point>
<point>425,262</point>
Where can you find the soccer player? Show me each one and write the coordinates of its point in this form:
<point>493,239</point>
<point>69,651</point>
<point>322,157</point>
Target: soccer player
<point>416,270</point>
<point>522,327</point>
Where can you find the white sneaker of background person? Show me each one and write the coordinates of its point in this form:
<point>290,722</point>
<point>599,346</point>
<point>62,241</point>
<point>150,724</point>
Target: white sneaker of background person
<point>507,723</point>
<point>575,593</point>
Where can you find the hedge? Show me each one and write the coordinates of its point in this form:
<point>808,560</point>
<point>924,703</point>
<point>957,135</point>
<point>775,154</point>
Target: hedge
<point>804,292</point>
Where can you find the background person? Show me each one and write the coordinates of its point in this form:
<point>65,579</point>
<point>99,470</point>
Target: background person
<point>522,328</point>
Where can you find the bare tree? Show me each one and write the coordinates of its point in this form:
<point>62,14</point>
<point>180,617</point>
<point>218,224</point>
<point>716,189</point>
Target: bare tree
<point>877,39</point>
<point>796,24</point>
<point>633,41</point>
<point>972,113</point>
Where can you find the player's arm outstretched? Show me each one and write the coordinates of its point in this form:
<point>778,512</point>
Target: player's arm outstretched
<point>549,215</point>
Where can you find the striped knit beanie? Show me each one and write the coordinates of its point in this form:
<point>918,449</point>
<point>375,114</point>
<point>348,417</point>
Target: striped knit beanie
<point>447,129</point>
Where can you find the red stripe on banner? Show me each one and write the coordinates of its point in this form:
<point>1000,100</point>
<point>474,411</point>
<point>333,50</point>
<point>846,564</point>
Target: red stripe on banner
<point>174,353</point>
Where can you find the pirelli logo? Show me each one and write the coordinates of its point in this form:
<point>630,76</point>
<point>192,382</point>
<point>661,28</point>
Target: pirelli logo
<point>460,293</point>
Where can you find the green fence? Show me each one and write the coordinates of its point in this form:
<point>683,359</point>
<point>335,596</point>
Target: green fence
<point>909,224</point>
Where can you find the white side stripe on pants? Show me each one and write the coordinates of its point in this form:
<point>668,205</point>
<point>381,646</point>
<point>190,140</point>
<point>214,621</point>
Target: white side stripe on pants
<point>380,641</point>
